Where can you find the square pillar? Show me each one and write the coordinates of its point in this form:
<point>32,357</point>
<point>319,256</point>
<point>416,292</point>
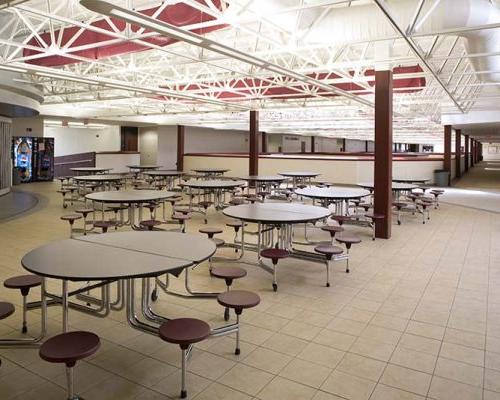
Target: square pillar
<point>458,152</point>
<point>383,153</point>
<point>180,148</point>
<point>253,150</point>
<point>313,144</point>
<point>447,149</point>
<point>466,148</point>
<point>263,139</point>
<point>472,150</point>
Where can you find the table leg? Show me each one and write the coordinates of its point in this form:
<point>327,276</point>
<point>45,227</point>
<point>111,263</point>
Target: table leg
<point>65,307</point>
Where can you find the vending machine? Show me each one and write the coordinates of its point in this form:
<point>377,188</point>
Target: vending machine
<point>34,157</point>
<point>22,149</point>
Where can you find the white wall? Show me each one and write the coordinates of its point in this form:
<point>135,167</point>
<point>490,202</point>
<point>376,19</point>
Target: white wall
<point>70,140</point>
<point>355,145</point>
<point>491,152</point>
<point>327,145</point>
<point>20,125</point>
<point>148,145</point>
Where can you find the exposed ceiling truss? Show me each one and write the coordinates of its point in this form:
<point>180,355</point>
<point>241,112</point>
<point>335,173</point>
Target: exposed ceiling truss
<point>166,84</point>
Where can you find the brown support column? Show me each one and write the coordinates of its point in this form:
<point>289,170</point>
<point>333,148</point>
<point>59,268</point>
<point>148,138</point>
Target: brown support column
<point>466,159</point>
<point>343,145</point>
<point>480,152</point>
<point>458,152</point>
<point>253,150</point>
<point>263,139</point>
<point>366,146</point>
<point>180,148</point>
<point>383,153</point>
<point>447,149</point>
<point>472,158</point>
<point>313,144</point>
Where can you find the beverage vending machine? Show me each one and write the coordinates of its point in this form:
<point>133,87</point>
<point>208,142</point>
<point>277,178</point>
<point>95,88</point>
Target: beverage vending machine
<point>34,157</point>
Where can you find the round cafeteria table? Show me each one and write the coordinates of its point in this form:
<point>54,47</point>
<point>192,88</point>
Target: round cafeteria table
<point>167,176</point>
<point>90,170</point>
<point>114,257</point>
<point>211,172</point>
<point>205,188</point>
<point>130,197</point>
<point>340,196</point>
<point>265,182</point>
<point>397,187</point>
<point>299,176</point>
<point>416,181</point>
<point>279,217</point>
<point>104,179</point>
<point>145,167</point>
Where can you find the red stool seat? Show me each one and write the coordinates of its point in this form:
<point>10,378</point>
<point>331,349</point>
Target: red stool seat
<point>104,225</point>
<point>84,211</point>
<point>70,347</point>
<point>238,300</point>
<point>374,216</point>
<point>332,229</point>
<point>6,309</point>
<point>328,250</point>
<point>218,242</point>
<point>274,254</point>
<point>184,331</point>
<point>71,217</point>
<point>210,231</point>
<point>400,204</point>
<point>23,282</point>
<point>348,239</point>
<point>181,217</point>
<point>150,224</point>
<point>341,218</point>
<point>235,224</point>
<point>228,273</point>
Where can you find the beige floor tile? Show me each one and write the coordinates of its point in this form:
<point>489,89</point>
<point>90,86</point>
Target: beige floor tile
<point>208,365</point>
<point>406,379</point>
<point>420,343</point>
<point>285,344</point>
<point>445,389</point>
<point>337,340</point>
<point>348,386</point>
<point>348,326</point>
<point>461,353</point>
<point>300,330</point>
<point>492,360</point>
<point>18,382</point>
<point>326,396</point>
<point>417,360</point>
<point>114,388</point>
<point>389,322</point>
<point>459,371</point>
<point>267,360</point>
<point>383,392</point>
<point>362,367</point>
<point>383,335</point>
<point>492,380</point>
<point>427,330</point>
<point>284,389</point>
<point>322,355</point>
<point>306,372</point>
<point>373,349</point>
<point>489,395</point>
<point>246,379</point>
<point>465,338</point>
<point>216,391</point>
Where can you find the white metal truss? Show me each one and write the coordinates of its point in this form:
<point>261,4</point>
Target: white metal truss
<point>181,82</point>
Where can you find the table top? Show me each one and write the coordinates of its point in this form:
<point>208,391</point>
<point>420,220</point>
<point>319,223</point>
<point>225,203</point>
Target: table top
<point>164,173</point>
<point>395,185</point>
<point>98,178</point>
<point>411,180</point>
<point>118,255</point>
<point>90,169</point>
<point>276,213</point>
<point>338,193</point>
<point>145,166</point>
<point>209,170</point>
<point>300,174</point>
<point>263,178</point>
<point>213,183</point>
<point>130,196</point>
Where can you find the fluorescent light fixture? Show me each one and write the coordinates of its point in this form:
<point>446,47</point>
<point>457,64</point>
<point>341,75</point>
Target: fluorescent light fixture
<point>239,55</point>
<point>13,69</point>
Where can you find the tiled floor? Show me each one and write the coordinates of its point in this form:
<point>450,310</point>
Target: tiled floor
<point>418,317</point>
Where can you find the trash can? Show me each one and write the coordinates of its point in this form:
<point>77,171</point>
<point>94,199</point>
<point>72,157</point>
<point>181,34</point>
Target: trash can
<point>16,176</point>
<point>441,177</point>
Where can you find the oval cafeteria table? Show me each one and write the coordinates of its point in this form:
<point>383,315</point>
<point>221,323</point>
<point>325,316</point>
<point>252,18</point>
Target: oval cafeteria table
<point>90,170</point>
<point>280,217</point>
<point>105,179</point>
<point>168,176</point>
<point>116,257</point>
<point>130,197</point>
<point>337,195</point>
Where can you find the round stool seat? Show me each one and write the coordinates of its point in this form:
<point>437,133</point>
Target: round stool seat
<point>238,299</point>
<point>210,230</point>
<point>218,242</point>
<point>374,216</point>
<point>328,250</point>
<point>23,282</point>
<point>348,238</point>
<point>228,272</point>
<point>235,224</point>
<point>182,210</point>
<point>236,201</point>
<point>184,331</point>
<point>70,347</point>
<point>84,211</point>
<point>104,224</point>
<point>400,204</point>
<point>71,217</point>
<point>440,191</point>
<point>274,254</point>
<point>6,309</point>
<point>341,218</point>
<point>150,223</point>
<point>333,229</point>
<point>366,206</point>
<point>181,217</point>
<point>301,186</point>
<point>205,204</point>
